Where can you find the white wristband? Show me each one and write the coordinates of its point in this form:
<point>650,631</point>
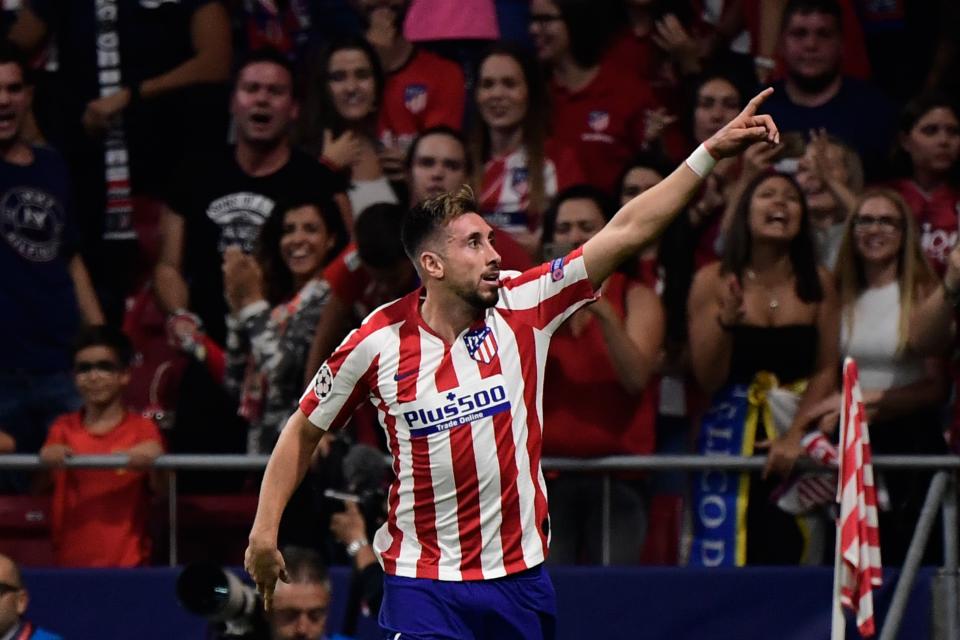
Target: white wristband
<point>700,161</point>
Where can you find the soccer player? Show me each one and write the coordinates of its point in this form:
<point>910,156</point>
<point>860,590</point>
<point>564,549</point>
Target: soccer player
<point>456,372</point>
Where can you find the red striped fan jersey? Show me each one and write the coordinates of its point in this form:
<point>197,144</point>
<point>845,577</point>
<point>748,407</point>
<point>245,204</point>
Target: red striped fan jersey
<point>464,424</point>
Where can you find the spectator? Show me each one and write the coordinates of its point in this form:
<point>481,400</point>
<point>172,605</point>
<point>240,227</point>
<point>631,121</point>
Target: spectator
<point>882,275</point>
<point>598,111</point>
<point>517,168</point>
<point>606,408</point>
<point>366,588</point>
<point>928,149</point>
<point>13,604</point>
<point>46,290</point>
<point>816,94</point>
<point>763,326</point>
<point>344,94</point>
<point>241,189</point>
<point>831,176</point>
<point>136,87</point>
<point>716,99</point>
<point>275,301</point>
<point>422,90</point>
<point>100,516</point>
<point>301,603</point>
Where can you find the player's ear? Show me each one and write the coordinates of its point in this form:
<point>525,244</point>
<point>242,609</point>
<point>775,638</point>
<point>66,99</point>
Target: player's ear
<point>431,264</point>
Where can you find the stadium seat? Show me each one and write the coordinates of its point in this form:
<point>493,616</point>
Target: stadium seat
<point>25,530</point>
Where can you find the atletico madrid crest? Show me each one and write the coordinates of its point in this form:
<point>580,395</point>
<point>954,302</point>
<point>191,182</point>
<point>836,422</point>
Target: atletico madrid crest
<point>480,344</point>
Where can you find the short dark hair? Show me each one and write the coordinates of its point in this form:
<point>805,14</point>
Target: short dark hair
<point>590,27</point>
<point>739,243</point>
<point>428,216</point>
<point>270,55</point>
<point>806,7</point>
<point>10,54</point>
<point>438,130</point>
<point>105,336</point>
<point>377,230</point>
<point>589,192</point>
<point>305,566</point>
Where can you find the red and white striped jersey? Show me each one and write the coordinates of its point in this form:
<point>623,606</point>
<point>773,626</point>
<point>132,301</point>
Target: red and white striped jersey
<point>463,422</point>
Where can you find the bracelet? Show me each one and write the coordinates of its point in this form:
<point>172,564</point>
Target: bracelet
<point>700,161</point>
<point>354,547</point>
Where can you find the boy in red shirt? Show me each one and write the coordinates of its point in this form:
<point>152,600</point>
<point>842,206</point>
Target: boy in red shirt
<point>99,516</point>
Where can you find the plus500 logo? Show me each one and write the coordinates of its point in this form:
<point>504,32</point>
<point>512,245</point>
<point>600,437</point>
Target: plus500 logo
<point>457,411</point>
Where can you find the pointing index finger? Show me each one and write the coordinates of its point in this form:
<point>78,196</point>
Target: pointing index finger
<point>756,101</point>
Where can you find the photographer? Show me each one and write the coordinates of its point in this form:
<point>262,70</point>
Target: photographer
<point>366,585</point>
<point>301,601</point>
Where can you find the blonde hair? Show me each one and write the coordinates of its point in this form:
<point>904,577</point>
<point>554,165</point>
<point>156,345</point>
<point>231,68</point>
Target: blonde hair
<point>914,274</point>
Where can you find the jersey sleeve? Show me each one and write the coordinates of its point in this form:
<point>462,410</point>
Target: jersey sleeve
<point>550,293</point>
<point>341,384</point>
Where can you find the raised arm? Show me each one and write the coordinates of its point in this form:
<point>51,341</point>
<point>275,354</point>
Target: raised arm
<point>644,218</point>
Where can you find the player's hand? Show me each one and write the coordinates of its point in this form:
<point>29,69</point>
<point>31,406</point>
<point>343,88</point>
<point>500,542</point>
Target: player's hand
<point>747,128</point>
<point>55,455</point>
<point>264,562</point>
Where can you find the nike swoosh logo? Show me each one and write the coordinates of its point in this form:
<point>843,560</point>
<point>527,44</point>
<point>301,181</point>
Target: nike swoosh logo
<point>401,376</point>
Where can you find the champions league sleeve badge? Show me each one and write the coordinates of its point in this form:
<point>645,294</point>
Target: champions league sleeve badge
<point>323,382</point>
<point>480,344</point>
<point>556,270</point>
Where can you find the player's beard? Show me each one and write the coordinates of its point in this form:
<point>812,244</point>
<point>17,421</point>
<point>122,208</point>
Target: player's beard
<point>479,300</point>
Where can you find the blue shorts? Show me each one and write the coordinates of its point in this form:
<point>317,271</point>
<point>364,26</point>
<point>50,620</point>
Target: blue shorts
<point>522,606</point>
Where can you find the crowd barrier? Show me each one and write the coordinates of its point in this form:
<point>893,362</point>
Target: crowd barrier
<point>683,603</point>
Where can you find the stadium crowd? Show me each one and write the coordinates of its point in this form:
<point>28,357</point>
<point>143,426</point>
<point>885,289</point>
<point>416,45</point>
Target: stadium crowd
<point>200,199</point>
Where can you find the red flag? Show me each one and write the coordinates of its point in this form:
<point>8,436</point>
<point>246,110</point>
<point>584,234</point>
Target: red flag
<point>859,533</point>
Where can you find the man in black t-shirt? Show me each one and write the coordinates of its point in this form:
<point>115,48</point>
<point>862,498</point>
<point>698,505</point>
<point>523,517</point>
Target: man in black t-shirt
<point>45,291</point>
<point>221,200</point>
<point>138,84</point>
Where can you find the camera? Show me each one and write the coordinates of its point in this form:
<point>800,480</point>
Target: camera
<point>218,595</point>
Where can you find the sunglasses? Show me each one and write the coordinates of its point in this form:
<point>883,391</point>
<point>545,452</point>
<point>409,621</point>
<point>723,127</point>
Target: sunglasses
<point>106,366</point>
<point>8,588</point>
<point>865,221</point>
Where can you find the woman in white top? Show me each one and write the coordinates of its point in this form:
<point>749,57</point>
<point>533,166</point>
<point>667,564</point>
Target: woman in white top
<point>339,121</point>
<point>882,273</point>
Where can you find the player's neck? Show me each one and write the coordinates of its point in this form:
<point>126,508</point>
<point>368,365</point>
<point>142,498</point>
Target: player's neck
<point>101,418</point>
<point>256,160</point>
<point>447,315</point>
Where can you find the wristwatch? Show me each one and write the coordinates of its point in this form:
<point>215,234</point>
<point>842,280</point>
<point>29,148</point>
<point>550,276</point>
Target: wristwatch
<point>354,547</point>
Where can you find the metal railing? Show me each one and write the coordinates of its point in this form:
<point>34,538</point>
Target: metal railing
<point>941,496</point>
